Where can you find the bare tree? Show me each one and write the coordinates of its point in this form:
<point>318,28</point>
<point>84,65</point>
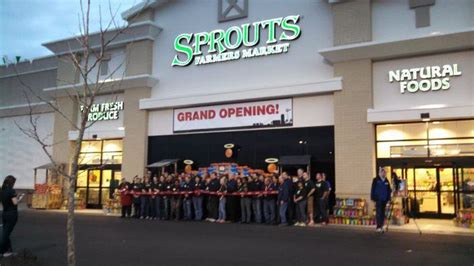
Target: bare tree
<point>87,62</point>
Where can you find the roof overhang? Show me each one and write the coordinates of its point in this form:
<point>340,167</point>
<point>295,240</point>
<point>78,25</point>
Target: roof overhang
<point>439,43</point>
<point>135,32</point>
<point>141,7</point>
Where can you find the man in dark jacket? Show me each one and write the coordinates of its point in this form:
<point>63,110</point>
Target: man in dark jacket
<point>380,193</point>
<point>284,196</point>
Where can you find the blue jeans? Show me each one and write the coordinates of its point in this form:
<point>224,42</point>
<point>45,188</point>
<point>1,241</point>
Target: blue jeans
<point>197,204</point>
<point>222,209</point>
<point>301,211</point>
<point>144,206</point>
<point>380,212</point>
<point>245,210</point>
<point>269,210</point>
<point>188,215</point>
<point>283,211</point>
<point>257,209</point>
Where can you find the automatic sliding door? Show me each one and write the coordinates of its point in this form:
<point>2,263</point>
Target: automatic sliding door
<point>426,190</point>
<point>447,190</point>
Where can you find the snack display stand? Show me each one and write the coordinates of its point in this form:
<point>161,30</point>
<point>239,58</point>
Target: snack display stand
<point>464,218</point>
<point>351,211</point>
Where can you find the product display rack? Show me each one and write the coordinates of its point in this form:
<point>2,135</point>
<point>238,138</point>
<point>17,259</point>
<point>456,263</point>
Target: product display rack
<point>351,211</point>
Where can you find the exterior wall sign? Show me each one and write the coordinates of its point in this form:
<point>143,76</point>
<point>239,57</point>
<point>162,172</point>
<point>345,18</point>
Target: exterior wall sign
<point>274,113</point>
<point>427,78</point>
<point>222,45</point>
<point>104,111</point>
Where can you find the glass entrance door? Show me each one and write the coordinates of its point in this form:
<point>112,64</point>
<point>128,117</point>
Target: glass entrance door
<point>93,189</point>
<point>433,190</point>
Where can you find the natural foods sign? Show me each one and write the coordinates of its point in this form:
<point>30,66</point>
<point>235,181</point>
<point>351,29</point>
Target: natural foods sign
<point>429,78</point>
<point>222,45</point>
<point>104,111</point>
<point>274,113</point>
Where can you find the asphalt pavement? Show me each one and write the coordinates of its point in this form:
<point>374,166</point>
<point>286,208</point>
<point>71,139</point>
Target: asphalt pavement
<point>105,240</point>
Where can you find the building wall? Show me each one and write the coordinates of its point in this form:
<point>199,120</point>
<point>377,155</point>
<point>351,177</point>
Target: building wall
<point>387,95</point>
<point>394,20</point>
<point>302,64</point>
<point>20,154</point>
<point>308,111</point>
<point>353,136</point>
<point>135,142</point>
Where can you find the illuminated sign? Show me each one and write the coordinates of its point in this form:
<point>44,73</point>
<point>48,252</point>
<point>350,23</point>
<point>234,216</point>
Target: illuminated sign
<point>221,46</point>
<point>104,111</point>
<point>429,78</point>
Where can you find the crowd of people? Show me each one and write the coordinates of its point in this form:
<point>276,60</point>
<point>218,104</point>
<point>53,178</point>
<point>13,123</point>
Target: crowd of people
<point>230,197</point>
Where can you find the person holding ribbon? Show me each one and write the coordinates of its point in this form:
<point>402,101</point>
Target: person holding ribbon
<point>222,199</point>
<point>197,186</point>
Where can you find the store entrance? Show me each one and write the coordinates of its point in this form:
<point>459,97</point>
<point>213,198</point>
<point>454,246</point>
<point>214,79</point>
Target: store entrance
<point>99,186</point>
<point>435,192</point>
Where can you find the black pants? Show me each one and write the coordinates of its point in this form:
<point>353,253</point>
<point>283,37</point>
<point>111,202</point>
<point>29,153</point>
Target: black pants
<point>380,213</point>
<point>233,208</point>
<point>321,210</point>
<point>213,207</point>
<point>9,219</point>
<point>291,212</point>
<point>126,211</point>
<point>136,207</point>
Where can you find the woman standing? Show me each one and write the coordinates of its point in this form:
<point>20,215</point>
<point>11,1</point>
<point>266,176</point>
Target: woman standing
<point>10,214</point>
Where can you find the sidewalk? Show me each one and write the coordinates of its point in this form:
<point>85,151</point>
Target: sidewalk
<point>426,226</point>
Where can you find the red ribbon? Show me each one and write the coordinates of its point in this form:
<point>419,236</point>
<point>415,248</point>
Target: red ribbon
<point>198,192</point>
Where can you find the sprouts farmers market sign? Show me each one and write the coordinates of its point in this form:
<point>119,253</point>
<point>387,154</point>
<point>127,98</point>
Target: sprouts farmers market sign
<point>104,111</point>
<point>222,45</point>
<point>429,78</point>
<point>273,113</point>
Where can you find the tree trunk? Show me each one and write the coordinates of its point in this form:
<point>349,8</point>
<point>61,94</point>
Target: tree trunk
<point>71,247</point>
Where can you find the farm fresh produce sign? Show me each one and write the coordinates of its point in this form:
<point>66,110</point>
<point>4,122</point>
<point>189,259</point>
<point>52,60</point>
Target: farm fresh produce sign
<point>222,45</point>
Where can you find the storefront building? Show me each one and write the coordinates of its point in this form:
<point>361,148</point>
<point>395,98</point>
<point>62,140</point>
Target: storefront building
<point>353,84</point>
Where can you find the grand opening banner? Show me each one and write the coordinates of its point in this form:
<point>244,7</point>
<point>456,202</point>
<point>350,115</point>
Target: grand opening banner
<point>273,113</point>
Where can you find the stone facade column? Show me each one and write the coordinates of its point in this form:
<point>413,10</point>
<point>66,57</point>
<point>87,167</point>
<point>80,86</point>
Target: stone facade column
<point>135,143</point>
<point>354,137</point>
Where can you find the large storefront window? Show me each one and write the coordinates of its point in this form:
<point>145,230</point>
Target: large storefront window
<point>430,139</point>
<point>436,160</point>
<point>100,168</point>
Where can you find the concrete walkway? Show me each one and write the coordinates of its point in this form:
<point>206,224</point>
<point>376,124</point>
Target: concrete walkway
<point>427,226</point>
